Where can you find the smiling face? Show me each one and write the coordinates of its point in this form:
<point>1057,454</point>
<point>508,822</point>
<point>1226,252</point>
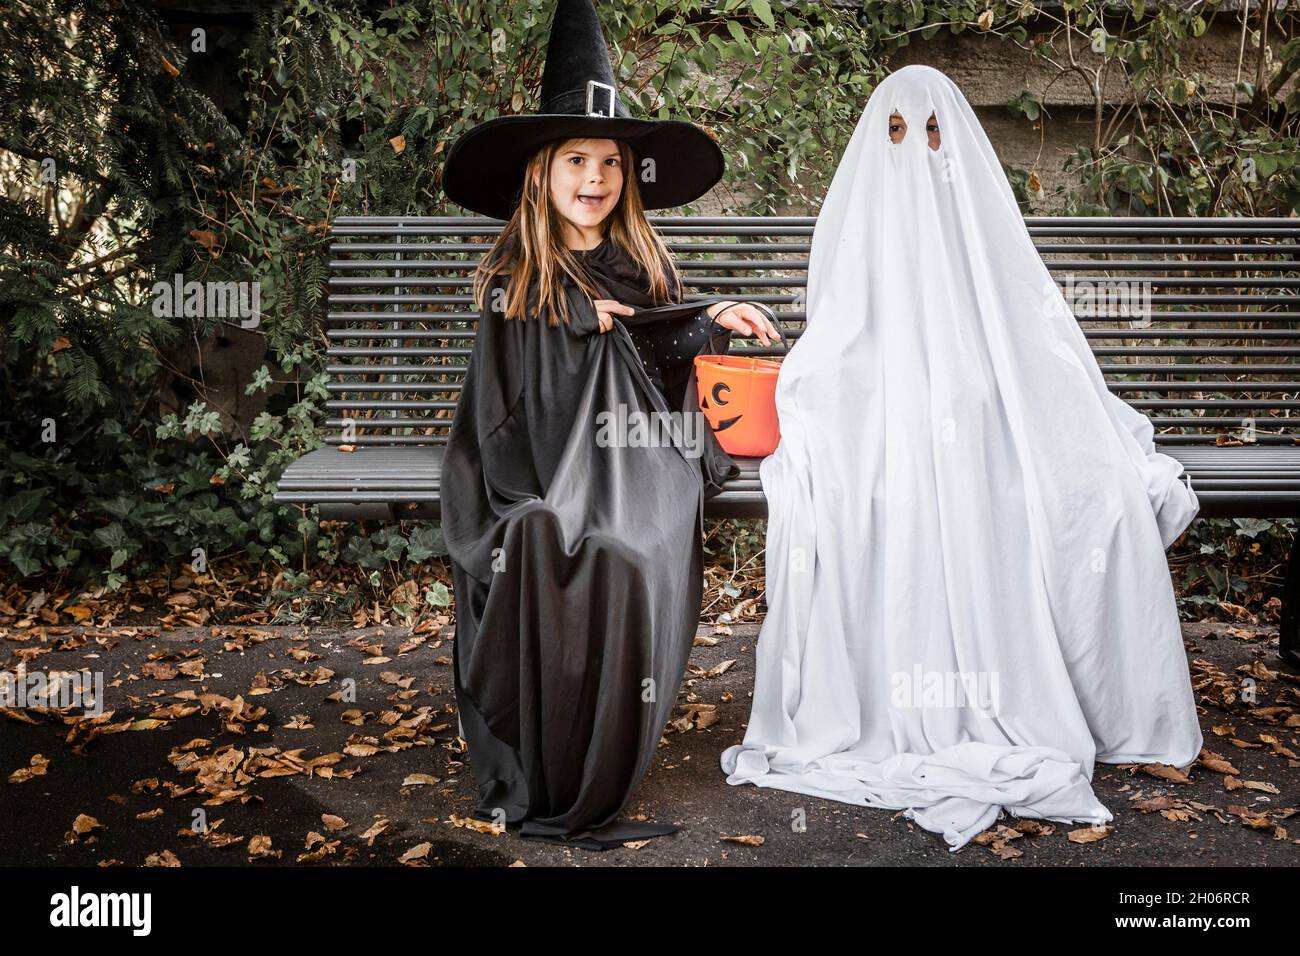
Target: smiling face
<point>714,402</point>
<point>586,179</point>
<point>898,129</point>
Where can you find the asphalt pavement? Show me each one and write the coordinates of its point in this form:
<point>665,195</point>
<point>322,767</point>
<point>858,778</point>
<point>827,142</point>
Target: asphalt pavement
<point>327,745</point>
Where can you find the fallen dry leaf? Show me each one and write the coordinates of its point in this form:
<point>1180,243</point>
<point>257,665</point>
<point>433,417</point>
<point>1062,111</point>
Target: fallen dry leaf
<point>376,828</point>
<point>1212,761</point>
<point>1260,785</point>
<point>1090,834</point>
<point>471,823</point>
<point>36,768</point>
<point>420,780</point>
<point>84,827</point>
<point>259,846</point>
<point>717,670</point>
<point>148,723</point>
<point>1165,772</point>
<point>416,855</point>
<point>1155,804</point>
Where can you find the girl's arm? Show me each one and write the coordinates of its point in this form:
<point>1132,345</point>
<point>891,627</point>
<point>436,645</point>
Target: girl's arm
<point>662,313</point>
<point>742,317</point>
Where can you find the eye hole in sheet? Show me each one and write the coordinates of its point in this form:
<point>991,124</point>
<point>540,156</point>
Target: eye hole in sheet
<point>932,131</point>
<point>898,129</point>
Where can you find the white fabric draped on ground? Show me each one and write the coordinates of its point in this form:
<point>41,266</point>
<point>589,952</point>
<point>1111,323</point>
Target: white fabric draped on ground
<point>968,596</point>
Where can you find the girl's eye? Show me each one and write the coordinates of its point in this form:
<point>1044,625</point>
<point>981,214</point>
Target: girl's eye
<point>612,161</point>
<point>575,159</point>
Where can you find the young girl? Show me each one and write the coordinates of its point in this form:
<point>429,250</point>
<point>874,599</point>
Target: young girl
<point>575,549</point>
<point>577,567</point>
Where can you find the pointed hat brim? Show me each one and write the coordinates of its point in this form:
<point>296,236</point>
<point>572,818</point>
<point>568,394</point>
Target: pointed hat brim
<point>484,169</point>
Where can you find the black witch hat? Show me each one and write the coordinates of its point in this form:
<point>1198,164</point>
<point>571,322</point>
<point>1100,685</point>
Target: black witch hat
<point>484,170</point>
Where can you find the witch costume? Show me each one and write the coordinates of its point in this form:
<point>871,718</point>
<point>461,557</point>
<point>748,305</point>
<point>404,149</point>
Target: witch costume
<point>575,548</point>
<point>968,596</point>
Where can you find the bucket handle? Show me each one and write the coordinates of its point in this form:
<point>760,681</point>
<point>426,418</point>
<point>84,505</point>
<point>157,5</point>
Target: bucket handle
<point>776,324</point>
<point>785,342</point>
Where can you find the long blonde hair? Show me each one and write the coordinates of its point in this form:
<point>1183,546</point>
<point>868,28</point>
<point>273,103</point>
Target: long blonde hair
<point>532,244</point>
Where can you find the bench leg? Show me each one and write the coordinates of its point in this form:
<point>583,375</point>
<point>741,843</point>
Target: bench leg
<point>1289,650</point>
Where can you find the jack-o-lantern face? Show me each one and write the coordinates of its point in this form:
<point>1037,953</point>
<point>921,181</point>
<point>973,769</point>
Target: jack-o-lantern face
<point>713,405</point>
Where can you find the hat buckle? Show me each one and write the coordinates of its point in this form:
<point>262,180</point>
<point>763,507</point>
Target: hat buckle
<point>591,91</point>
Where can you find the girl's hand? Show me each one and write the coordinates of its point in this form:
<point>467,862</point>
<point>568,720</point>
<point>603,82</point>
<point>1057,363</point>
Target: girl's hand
<point>606,310</point>
<point>744,319</point>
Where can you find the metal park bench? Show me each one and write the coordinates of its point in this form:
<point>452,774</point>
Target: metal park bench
<point>1213,363</point>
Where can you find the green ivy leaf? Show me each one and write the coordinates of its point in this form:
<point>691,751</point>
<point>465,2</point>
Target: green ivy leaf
<point>437,595</point>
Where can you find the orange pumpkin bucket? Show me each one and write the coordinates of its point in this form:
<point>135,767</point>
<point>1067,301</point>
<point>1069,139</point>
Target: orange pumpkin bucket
<point>738,397</point>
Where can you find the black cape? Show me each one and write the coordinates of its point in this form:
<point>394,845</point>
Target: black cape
<point>577,563</point>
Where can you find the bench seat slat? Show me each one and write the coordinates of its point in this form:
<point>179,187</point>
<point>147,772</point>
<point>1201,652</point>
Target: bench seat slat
<point>1241,480</point>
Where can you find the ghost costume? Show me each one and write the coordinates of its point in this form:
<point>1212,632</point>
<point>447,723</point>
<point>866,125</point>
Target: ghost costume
<point>968,596</point>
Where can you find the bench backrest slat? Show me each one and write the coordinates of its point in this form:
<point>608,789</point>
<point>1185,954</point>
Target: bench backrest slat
<point>1210,352</point>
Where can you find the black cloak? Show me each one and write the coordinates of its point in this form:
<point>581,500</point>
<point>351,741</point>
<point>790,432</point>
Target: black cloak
<point>577,563</point>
